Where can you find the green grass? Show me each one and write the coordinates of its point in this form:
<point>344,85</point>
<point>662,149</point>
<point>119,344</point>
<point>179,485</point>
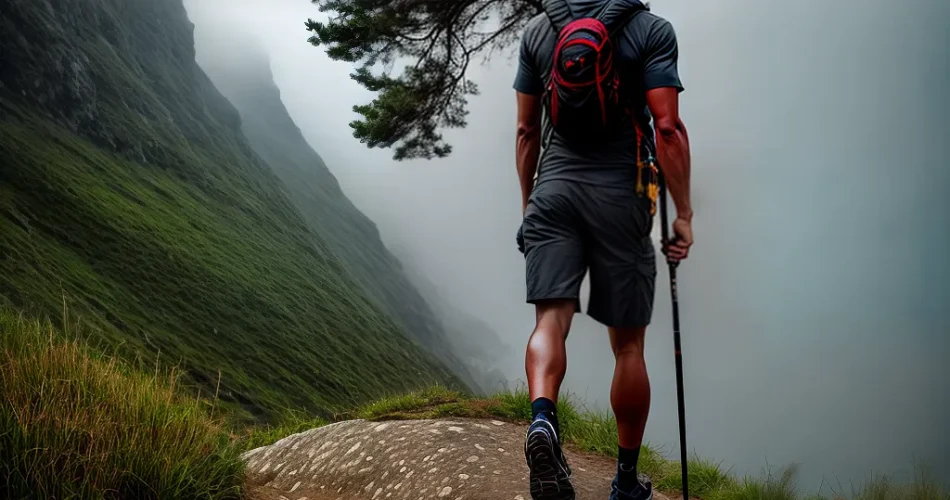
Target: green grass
<point>883,487</point>
<point>290,423</point>
<point>436,402</point>
<point>77,425</point>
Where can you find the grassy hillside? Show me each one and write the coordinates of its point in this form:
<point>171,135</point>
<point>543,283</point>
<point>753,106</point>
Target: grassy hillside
<point>128,191</point>
<point>242,73</point>
<point>78,425</point>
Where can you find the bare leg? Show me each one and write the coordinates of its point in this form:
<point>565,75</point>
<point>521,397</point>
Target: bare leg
<point>546,364</point>
<point>546,357</point>
<point>630,392</point>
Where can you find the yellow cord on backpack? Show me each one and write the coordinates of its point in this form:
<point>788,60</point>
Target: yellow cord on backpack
<point>653,191</point>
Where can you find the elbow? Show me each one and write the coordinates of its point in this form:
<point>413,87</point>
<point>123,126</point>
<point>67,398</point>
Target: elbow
<point>528,130</point>
<point>669,128</point>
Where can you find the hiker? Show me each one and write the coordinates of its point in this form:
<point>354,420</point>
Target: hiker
<point>591,207</point>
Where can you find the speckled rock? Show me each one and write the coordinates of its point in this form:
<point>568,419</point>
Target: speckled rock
<point>417,460</point>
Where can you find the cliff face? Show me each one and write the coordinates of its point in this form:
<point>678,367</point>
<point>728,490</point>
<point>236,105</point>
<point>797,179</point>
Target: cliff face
<point>129,192</point>
<point>242,73</point>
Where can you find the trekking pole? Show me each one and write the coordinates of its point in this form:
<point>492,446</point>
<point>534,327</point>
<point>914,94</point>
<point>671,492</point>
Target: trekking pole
<point>664,220</point>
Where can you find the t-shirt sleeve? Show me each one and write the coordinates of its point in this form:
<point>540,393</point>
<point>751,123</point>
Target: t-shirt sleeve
<point>662,55</point>
<point>528,78</point>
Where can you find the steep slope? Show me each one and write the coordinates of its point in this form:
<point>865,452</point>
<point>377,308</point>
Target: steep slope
<point>241,71</point>
<point>128,191</point>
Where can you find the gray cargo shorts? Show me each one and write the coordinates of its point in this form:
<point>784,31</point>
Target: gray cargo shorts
<point>571,228</point>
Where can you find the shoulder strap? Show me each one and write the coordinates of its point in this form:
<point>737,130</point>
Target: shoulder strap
<point>558,12</point>
<point>616,14</point>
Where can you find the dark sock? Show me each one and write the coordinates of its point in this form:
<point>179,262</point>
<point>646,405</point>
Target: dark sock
<point>627,469</point>
<point>546,407</point>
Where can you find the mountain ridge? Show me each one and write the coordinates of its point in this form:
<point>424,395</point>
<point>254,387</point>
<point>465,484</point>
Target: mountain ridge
<point>129,194</point>
<point>241,70</point>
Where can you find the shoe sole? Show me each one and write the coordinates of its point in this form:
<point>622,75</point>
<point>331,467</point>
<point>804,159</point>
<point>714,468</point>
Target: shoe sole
<point>549,479</point>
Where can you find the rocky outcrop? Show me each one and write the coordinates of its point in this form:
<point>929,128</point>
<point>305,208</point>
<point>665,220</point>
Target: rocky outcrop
<point>421,459</point>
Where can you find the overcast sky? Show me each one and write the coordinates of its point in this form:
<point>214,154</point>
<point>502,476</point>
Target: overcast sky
<point>814,309</point>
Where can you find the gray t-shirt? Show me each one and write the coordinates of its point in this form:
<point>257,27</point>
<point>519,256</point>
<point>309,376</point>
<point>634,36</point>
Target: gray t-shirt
<point>647,59</point>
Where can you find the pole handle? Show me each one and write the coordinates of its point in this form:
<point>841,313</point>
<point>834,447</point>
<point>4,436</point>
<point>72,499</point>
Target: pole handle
<point>665,220</point>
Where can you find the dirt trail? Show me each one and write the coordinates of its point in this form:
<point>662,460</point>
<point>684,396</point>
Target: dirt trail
<point>417,460</point>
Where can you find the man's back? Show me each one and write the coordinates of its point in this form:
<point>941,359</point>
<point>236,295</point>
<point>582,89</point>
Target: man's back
<point>647,55</point>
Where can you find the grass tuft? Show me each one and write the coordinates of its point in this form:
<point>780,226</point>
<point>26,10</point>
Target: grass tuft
<point>882,487</point>
<point>769,487</point>
<point>77,425</point>
<point>292,422</point>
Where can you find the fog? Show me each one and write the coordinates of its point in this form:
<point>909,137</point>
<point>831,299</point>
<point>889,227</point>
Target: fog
<point>814,307</point>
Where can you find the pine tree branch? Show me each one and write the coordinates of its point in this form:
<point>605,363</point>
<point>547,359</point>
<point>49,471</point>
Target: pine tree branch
<point>439,39</point>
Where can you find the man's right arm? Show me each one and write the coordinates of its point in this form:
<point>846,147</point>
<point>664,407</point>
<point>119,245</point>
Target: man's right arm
<point>661,79</point>
<point>672,147</point>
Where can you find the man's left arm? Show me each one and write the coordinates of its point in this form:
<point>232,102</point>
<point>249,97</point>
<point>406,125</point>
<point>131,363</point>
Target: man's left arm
<point>528,143</point>
<point>529,87</point>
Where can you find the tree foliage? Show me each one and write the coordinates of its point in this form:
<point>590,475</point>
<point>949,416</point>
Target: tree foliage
<point>432,42</point>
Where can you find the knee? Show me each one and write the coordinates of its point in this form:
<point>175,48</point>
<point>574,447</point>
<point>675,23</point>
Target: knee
<point>553,328</point>
<point>627,342</point>
<point>548,336</point>
<point>554,318</point>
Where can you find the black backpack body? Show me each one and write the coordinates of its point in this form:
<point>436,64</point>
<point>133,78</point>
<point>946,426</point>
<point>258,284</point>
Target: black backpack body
<point>584,98</point>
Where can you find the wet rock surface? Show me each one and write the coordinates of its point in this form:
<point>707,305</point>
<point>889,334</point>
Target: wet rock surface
<point>423,459</point>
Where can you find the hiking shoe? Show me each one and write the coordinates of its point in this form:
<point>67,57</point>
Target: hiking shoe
<point>643,492</point>
<point>550,475</point>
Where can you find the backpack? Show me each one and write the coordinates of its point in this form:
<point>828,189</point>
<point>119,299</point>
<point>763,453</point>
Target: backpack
<point>584,98</point>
